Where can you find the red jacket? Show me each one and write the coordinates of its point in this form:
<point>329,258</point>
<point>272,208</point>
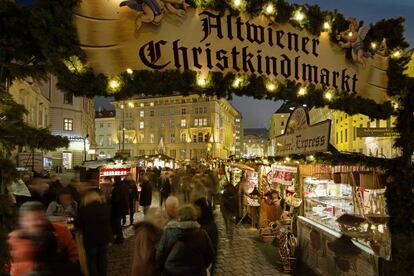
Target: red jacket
<point>22,251</point>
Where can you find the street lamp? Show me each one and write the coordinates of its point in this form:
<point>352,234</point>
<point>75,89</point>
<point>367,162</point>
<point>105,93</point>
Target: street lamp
<point>84,147</point>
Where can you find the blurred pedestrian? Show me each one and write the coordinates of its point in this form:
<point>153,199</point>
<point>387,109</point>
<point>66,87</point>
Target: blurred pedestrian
<point>206,220</point>
<point>32,224</point>
<point>54,187</point>
<point>94,220</point>
<point>119,208</point>
<point>63,205</point>
<point>132,197</point>
<point>171,208</point>
<point>145,197</point>
<point>228,207</point>
<point>185,248</point>
<point>165,188</point>
<point>147,236</point>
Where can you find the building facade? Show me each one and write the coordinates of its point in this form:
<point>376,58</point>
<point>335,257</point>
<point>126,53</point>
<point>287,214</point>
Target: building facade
<point>105,134</point>
<point>277,125</point>
<point>239,136</point>
<point>183,127</point>
<point>346,137</point>
<point>255,142</point>
<point>73,117</point>
<point>28,93</point>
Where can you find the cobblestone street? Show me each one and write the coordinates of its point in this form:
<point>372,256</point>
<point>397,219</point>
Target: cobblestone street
<point>241,257</point>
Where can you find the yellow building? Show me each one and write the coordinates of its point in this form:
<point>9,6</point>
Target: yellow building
<point>352,133</point>
<point>192,127</point>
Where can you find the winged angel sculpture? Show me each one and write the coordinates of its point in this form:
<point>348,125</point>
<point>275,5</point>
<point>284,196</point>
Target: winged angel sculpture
<point>152,11</point>
<point>354,37</point>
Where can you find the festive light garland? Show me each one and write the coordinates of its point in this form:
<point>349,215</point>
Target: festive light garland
<point>81,81</point>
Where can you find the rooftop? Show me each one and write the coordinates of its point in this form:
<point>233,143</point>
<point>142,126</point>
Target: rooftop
<point>287,108</point>
<point>103,113</point>
<point>260,132</point>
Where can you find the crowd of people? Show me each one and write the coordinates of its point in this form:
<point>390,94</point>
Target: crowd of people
<point>174,238</point>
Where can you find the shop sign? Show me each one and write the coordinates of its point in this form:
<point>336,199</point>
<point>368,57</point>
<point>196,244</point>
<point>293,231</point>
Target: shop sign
<point>376,132</point>
<point>281,174</point>
<point>116,38</point>
<point>300,137</point>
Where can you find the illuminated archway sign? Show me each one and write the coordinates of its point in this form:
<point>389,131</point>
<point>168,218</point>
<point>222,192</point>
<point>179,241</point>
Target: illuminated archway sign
<point>202,40</point>
<point>300,137</point>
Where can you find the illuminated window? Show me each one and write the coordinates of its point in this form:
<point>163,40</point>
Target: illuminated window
<point>195,122</point>
<point>141,104</point>
<point>141,125</point>
<point>141,113</point>
<point>67,124</point>
<point>172,138</point>
<point>204,122</point>
<point>183,123</point>
<point>151,138</point>
<point>151,104</point>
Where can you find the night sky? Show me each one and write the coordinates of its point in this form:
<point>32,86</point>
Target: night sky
<point>256,113</point>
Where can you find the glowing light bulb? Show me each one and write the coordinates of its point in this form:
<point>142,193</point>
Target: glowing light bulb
<point>302,91</point>
<point>311,157</point>
<point>129,71</point>
<point>114,84</point>
<point>237,3</point>
<point>396,54</point>
<point>299,16</point>
<point>350,34</point>
<point>287,159</point>
<point>131,104</point>
<point>270,9</point>
<point>271,87</point>
<point>328,95</point>
<point>201,82</point>
<point>122,106</point>
<point>373,45</point>
<point>237,82</point>
<point>326,26</point>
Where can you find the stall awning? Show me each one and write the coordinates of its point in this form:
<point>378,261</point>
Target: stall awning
<point>97,163</point>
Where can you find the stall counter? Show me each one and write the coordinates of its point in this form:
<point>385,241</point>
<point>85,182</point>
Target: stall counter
<point>315,253</point>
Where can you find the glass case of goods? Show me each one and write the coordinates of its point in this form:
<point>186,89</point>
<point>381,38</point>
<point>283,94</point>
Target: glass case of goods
<point>325,201</point>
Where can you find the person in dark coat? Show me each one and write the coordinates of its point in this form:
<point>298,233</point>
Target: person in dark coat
<point>206,220</point>
<point>184,249</point>
<point>132,198</point>
<point>120,208</point>
<point>228,207</point>
<point>94,220</point>
<point>54,188</point>
<point>145,197</point>
<point>165,188</point>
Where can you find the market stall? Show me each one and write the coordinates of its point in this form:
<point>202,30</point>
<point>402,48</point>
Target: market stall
<point>337,231</point>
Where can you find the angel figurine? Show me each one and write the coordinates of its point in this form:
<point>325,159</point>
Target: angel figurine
<point>152,11</point>
<point>354,37</point>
